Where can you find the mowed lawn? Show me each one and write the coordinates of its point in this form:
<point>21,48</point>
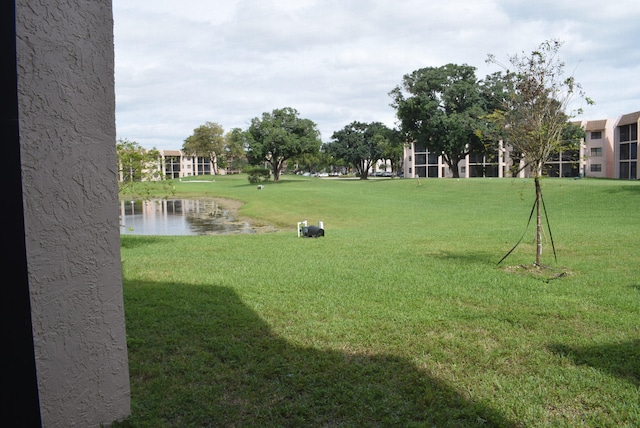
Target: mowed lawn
<point>399,316</point>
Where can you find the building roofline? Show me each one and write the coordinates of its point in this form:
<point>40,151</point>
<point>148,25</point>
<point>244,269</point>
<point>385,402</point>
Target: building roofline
<point>596,125</point>
<point>629,119</point>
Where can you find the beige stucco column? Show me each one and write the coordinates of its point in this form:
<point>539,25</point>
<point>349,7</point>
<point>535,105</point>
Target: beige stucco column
<point>66,110</point>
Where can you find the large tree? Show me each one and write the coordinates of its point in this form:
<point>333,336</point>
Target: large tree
<point>207,141</point>
<point>360,145</point>
<point>442,108</point>
<point>535,117</point>
<point>279,136</point>
<point>311,162</point>
<point>235,149</point>
<point>393,149</point>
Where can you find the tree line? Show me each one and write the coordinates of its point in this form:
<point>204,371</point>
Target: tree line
<point>282,138</point>
<point>446,109</point>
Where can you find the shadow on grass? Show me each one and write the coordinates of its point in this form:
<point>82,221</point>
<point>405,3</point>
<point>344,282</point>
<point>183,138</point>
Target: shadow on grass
<point>133,241</point>
<point>632,189</point>
<point>468,257</point>
<point>199,357</point>
<point>619,359</point>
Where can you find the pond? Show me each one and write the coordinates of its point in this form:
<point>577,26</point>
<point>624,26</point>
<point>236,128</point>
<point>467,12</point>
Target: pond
<point>184,217</point>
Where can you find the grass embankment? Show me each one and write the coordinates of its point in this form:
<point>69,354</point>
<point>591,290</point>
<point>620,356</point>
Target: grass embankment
<point>399,316</point>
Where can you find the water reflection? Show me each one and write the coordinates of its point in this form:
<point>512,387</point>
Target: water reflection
<point>180,217</point>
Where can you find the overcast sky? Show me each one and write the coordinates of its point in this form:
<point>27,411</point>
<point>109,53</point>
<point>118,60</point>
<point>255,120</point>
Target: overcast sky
<point>181,63</point>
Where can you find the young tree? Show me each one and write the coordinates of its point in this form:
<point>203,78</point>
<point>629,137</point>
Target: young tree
<point>136,163</point>
<point>360,145</point>
<point>207,141</point>
<point>279,136</point>
<point>534,115</point>
<point>442,108</point>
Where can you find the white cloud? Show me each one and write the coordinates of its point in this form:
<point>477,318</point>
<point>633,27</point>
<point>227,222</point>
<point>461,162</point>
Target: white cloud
<point>182,63</point>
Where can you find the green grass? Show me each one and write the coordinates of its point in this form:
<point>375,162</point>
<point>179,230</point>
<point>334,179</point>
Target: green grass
<point>399,316</point>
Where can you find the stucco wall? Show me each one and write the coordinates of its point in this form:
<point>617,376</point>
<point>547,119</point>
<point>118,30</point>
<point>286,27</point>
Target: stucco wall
<point>67,140</point>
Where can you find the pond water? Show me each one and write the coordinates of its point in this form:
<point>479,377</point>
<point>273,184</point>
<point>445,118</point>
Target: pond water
<point>183,217</point>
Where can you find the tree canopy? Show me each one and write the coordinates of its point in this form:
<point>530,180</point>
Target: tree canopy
<point>393,149</point>
<point>235,141</point>
<point>360,145</point>
<point>442,108</point>
<point>136,163</point>
<point>535,113</point>
<point>208,141</point>
<point>279,136</point>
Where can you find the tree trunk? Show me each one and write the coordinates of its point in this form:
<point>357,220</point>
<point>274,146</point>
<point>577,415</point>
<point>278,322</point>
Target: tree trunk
<point>364,169</point>
<point>538,221</point>
<point>214,163</point>
<point>275,169</point>
<point>453,166</point>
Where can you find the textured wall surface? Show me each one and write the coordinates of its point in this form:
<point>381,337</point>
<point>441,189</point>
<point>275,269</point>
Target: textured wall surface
<point>67,137</point>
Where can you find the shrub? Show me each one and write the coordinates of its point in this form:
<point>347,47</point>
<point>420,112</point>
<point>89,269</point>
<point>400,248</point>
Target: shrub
<point>258,174</point>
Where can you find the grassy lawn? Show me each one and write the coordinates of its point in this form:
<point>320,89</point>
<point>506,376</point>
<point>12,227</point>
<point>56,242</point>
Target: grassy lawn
<point>399,316</point>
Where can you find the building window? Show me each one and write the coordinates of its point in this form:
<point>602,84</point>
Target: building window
<point>570,156</point>
<point>563,164</point>
<point>596,152</point>
<point>482,165</point>
<point>204,166</point>
<point>624,151</point>
<point>628,170</point>
<point>596,135</point>
<point>420,148</point>
<point>596,167</point>
<point>628,132</point>
<point>628,153</point>
<point>628,161</point>
<point>172,167</point>
<point>476,158</point>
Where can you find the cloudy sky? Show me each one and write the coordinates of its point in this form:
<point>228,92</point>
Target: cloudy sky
<point>181,63</point>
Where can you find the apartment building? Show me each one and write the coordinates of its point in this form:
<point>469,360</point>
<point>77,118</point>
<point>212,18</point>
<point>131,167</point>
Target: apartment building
<point>609,150</point>
<point>175,164</point>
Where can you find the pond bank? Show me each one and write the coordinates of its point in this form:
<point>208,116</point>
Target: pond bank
<point>187,216</point>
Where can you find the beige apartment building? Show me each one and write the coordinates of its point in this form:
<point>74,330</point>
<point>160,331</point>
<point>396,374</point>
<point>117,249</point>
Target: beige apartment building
<point>176,164</point>
<point>609,150</point>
